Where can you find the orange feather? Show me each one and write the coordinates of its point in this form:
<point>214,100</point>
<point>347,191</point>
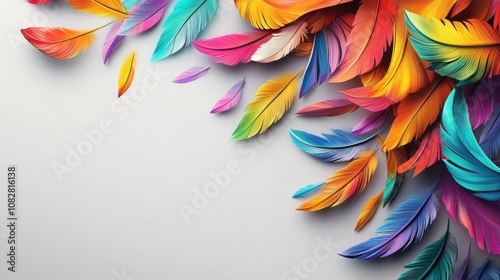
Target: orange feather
<point>303,48</point>
<point>428,153</point>
<point>369,211</point>
<point>103,8</point>
<point>59,42</point>
<point>318,20</point>
<point>416,112</point>
<point>459,7</point>
<point>345,183</point>
<point>476,9</point>
<point>370,37</point>
<point>377,74</point>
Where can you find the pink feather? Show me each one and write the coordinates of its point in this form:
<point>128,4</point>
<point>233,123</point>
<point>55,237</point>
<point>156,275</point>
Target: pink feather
<point>112,41</point>
<point>371,122</point>
<point>235,48</point>
<point>39,2</point>
<point>230,99</point>
<point>479,216</point>
<point>328,108</point>
<point>144,16</point>
<point>361,97</point>
<point>191,74</point>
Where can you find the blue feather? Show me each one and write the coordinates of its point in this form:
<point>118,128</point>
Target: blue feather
<point>489,140</point>
<point>436,261</point>
<point>338,147</point>
<point>183,25</point>
<point>467,163</point>
<point>318,68</point>
<point>307,190</point>
<point>130,4</point>
<point>487,271</point>
<point>404,226</point>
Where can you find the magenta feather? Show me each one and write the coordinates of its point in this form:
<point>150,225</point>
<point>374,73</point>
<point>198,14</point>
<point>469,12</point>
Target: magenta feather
<point>112,41</point>
<point>39,2</point>
<point>144,16</point>
<point>235,48</point>
<point>191,74</point>
<point>371,122</point>
<point>328,108</point>
<point>479,216</point>
<point>230,99</point>
<point>482,100</point>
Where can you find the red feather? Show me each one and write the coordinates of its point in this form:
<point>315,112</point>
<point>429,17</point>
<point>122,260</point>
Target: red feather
<point>362,97</point>
<point>59,42</point>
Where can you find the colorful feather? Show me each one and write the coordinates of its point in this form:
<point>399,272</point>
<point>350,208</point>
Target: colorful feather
<point>361,96</point>
<point>272,100</point>
<point>338,147</point>
<point>235,48</point>
<point>328,108</point>
<point>428,152</point>
<point>307,190</point>
<point>127,73</point>
<point>404,226</point>
<point>272,14</point>
<point>489,140</point>
<point>230,99</point>
<point>373,121</point>
<point>328,51</point>
<point>282,43</point>
<point>144,16</point>
<point>464,50</point>
<point>39,2</point>
<point>487,271</point>
<point>395,158</point>
<point>477,215</point>
<point>417,112</point>
<point>368,211</point>
<point>183,25</point>
<point>436,261</point>
<point>320,19</point>
<point>303,49</point>
<point>192,74</point>
<point>112,41</point>
<point>465,160</point>
<point>60,42</point>
<point>459,273</point>
<point>482,99</point>
<point>370,37</point>
<point>345,183</point>
<point>103,8</point>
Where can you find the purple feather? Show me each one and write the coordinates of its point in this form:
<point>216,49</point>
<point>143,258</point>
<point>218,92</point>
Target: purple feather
<point>191,74</point>
<point>479,216</point>
<point>460,272</point>
<point>112,41</point>
<point>371,122</point>
<point>489,140</point>
<point>482,99</point>
<point>144,16</point>
<point>404,226</point>
<point>230,99</point>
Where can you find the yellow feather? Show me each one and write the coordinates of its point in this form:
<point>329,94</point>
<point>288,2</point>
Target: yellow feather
<point>345,183</point>
<point>273,14</point>
<point>127,73</point>
<point>103,8</point>
<point>271,102</point>
<point>369,211</point>
<point>407,73</point>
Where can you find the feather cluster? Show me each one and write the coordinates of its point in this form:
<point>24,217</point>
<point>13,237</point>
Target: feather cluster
<point>430,75</point>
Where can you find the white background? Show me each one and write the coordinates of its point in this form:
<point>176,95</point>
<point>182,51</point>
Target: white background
<point>116,216</point>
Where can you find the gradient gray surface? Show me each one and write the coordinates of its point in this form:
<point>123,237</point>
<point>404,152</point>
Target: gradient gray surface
<point>117,214</point>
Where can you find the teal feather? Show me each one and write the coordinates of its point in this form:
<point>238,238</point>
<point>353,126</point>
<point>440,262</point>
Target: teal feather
<point>183,25</point>
<point>436,261</point>
<point>466,161</point>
